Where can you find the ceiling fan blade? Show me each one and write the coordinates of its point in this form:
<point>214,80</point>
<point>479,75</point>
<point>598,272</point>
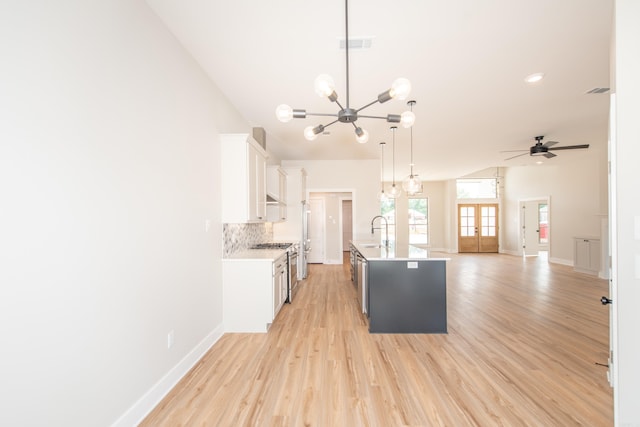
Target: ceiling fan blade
<point>549,143</point>
<point>523,154</point>
<point>549,155</point>
<point>570,147</point>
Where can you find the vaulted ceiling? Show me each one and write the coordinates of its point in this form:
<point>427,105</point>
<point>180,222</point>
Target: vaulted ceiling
<point>466,60</point>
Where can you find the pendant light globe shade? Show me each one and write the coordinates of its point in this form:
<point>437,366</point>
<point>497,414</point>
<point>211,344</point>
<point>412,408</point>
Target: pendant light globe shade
<point>412,185</point>
<point>400,89</point>
<point>394,192</point>
<point>324,85</point>
<point>284,113</point>
<point>362,136</point>
<point>382,196</point>
<point>408,118</point>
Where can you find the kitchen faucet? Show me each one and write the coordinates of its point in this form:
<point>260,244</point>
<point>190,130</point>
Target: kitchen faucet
<point>386,229</point>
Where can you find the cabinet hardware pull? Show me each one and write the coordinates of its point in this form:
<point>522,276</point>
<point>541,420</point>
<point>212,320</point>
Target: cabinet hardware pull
<point>605,300</point>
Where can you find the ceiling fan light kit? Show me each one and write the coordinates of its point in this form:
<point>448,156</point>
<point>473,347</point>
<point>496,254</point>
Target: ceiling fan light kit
<point>324,86</point>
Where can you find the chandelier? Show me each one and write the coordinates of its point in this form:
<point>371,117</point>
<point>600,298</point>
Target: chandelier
<point>325,87</point>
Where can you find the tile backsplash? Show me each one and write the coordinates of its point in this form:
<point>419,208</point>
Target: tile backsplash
<point>238,237</point>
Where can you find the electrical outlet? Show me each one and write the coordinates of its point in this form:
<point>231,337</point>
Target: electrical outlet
<point>170,339</point>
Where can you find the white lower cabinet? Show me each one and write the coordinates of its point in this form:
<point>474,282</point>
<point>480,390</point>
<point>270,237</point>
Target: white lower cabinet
<point>253,292</point>
<point>586,255</point>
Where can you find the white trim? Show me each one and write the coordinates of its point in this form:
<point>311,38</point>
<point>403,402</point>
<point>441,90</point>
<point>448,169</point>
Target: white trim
<point>139,410</point>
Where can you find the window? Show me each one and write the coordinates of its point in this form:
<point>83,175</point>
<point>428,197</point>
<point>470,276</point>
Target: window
<point>388,210</point>
<point>477,188</point>
<point>418,215</point>
<point>488,215</point>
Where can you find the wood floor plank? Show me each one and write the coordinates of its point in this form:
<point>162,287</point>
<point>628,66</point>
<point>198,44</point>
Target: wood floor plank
<point>524,339</point>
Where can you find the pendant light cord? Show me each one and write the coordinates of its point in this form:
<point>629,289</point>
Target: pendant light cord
<point>346,43</point>
<point>394,155</point>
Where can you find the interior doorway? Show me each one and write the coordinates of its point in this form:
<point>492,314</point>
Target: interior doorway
<point>330,225</point>
<point>535,226</point>
<point>478,228</point>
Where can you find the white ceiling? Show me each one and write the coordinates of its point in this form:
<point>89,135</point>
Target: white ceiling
<point>466,60</point>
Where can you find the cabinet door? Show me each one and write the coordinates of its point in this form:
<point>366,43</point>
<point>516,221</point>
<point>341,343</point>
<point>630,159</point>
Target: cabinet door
<point>243,167</point>
<point>257,194</point>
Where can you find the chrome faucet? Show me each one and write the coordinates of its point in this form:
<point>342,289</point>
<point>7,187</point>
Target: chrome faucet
<point>386,229</point>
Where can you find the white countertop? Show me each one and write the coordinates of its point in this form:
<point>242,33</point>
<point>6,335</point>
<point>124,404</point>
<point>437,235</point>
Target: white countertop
<point>269,255</point>
<point>393,252</point>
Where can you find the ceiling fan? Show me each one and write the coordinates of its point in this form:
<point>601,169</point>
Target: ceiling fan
<point>541,149</point>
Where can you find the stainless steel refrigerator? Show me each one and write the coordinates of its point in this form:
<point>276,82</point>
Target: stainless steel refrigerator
<point>306,241</point>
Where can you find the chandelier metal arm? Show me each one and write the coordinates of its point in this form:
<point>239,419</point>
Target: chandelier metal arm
<point>391,118</point>
<point>323,114</point>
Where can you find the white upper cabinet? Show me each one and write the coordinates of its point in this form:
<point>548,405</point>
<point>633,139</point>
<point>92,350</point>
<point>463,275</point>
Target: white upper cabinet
<point>243,169</point>
<point>276,194</point>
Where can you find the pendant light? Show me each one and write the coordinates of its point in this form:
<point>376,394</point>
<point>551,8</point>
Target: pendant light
<point>412,184</point>
<point>382,196</point>
<point>394,192</point>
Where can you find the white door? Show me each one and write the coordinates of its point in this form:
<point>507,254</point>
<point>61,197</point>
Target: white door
<point>529,221</point>
<point>316,231</point>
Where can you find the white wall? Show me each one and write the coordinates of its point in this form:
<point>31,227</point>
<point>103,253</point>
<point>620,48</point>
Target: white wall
<point>363,177</point>
<point>339,175</point>
<point>627,260</point>
<point>108,171</point>
<point>578,196</point>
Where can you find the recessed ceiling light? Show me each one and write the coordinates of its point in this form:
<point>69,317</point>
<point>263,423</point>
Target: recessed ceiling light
<point>539,162</point>
<point>533,78</point>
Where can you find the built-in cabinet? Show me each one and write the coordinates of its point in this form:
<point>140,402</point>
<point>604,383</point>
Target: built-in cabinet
<point>243,169</point>
<point>254,291</point>
<point>586,255</point>
<point>276,194</point>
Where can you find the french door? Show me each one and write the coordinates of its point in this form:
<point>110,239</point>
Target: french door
<point>478,228</point>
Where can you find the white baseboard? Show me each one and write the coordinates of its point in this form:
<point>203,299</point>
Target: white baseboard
<point>151,398</point>
<point>333,261</point>
<point>561,261</point>
<point>514,253</point>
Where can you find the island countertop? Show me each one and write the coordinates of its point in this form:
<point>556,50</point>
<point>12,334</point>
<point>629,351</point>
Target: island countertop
<point>373,251</point>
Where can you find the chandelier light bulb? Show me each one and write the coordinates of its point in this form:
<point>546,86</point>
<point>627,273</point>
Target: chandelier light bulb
<point>400,89</point>
<point>362,136</point>
<point>284,113</point>
<point>324,85</point>
<point>309,133</point>
<point>408,118</point>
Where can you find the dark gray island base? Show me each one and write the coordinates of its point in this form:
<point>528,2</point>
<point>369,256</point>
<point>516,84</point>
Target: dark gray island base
<point>402,289</point>
<point>407,300</point>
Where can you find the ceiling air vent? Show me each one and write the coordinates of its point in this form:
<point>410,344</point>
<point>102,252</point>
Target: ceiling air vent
<point>598,90</point>
<point>357,43</point>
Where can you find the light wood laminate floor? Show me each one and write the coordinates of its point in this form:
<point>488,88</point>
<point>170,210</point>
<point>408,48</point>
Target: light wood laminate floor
<point>524,341</point>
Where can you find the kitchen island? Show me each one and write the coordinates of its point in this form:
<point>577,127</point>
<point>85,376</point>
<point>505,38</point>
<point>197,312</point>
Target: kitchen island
<point>402,289</point>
